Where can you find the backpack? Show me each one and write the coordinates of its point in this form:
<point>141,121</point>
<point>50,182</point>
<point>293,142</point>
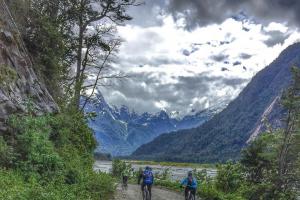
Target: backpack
<point>148,177</point>
<point>190,181</point>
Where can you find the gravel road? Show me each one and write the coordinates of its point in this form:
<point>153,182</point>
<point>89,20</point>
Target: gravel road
<point>133,192</point>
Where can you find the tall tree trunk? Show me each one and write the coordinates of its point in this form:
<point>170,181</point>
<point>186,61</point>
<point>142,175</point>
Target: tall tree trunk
<point>78,83</point>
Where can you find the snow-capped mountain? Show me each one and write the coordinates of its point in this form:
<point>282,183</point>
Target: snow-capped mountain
<point>120,131</point>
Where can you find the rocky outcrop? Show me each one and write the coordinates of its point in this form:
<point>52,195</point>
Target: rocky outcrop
<point>19,84</point>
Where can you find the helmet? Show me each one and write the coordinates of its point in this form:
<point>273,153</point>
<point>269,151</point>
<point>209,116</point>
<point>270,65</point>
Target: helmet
<point>147,168</point>
<point>190,173</point>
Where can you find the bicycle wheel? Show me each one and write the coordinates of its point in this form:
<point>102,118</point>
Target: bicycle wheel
<point>148,197</point>
<point>192,197</point>
<point>187,197</point>
<point>145,193</point>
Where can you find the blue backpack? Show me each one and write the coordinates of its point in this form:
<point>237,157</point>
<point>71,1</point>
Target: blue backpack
<point>148,177</point>
<point>190,181</point>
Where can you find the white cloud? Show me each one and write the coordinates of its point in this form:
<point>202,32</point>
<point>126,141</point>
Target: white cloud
<point>168,63</point>
<point>273,26</point>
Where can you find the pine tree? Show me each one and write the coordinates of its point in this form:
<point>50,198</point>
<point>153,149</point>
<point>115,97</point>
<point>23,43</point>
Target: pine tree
<point>289,149</point>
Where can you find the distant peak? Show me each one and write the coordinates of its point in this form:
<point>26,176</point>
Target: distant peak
<point>163,114</point>
<point>241,17</point>
<point>124,108</point>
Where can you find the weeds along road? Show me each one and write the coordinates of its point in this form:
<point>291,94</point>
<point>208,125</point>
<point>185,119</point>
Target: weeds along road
<point>133,192</point>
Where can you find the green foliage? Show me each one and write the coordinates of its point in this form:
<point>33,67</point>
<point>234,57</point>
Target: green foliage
<point>119,168</point>
<point>72,128</point>
<point>227,185</point>
<point>168,184</point>
<point>14,187</point>
<point>50,157</point>
<point>45,43</point>
<point>259,157</point>
<point>44,36</point>
<point>229,178</point>
<point>7,155</point>
<point>35,152</point>
<point>202,175</point>
<point>165,175</point>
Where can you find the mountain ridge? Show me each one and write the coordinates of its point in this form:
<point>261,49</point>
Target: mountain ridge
<point>120,131</point>
<point>223,137</point>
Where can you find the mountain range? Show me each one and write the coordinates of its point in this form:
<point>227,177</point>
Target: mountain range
<point>228,132</point>
<point>121,131</point>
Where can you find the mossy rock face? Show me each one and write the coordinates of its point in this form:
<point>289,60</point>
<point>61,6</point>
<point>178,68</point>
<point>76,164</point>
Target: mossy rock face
<point>7,75</point>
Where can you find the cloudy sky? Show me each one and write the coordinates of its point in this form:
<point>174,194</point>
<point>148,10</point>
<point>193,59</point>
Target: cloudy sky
<point>194,54</point>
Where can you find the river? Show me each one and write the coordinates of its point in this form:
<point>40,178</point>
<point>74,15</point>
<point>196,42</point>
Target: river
<point>176,173</point>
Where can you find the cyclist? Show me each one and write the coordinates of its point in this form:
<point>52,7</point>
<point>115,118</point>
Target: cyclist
<point>125,175</point>
<point>148,179</point>
<point>190,184</point>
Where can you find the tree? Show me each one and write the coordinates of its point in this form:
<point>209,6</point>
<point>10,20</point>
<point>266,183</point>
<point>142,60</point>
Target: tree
<point>258,158</point>
<point>289,149</point>
<point>62,33</point>
<point>44,31</point>
<point>271,162</point>
<point>105,15</point>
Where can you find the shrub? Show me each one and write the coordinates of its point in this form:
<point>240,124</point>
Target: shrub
<point>229,178</point>
<point>52,159</point>
<point>35,152</point>
<point>14,187</point>
<point>118,167</point>
<point>165,175</point>
<point>6,154</point>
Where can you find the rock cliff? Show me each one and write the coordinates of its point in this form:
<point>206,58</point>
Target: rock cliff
<point>18,82</point>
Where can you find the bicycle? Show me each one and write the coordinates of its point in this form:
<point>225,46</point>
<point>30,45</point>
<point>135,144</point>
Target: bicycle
<point>146,193</point>
<point>125,183</point>
<point>190,195</point>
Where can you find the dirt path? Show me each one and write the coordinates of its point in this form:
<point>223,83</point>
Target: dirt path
<point>133,193</point>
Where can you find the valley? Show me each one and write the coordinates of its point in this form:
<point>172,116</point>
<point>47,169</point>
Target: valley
<point>120,131</point>
<point>222,138</point>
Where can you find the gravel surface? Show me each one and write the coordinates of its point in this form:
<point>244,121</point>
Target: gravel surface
<point>133,192</point>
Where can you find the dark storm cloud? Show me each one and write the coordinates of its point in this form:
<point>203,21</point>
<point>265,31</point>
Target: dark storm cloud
<point>237,63</point>
<point>204,12</point>
<point>224,69</point>
<point>275,37</point>
<point>179,95</point>
<point>234,83</point>
<point>151,61</point>
<point>186,52</point>
<point>220,57</point>
<point>245,56</point>
<point>148,14</point>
